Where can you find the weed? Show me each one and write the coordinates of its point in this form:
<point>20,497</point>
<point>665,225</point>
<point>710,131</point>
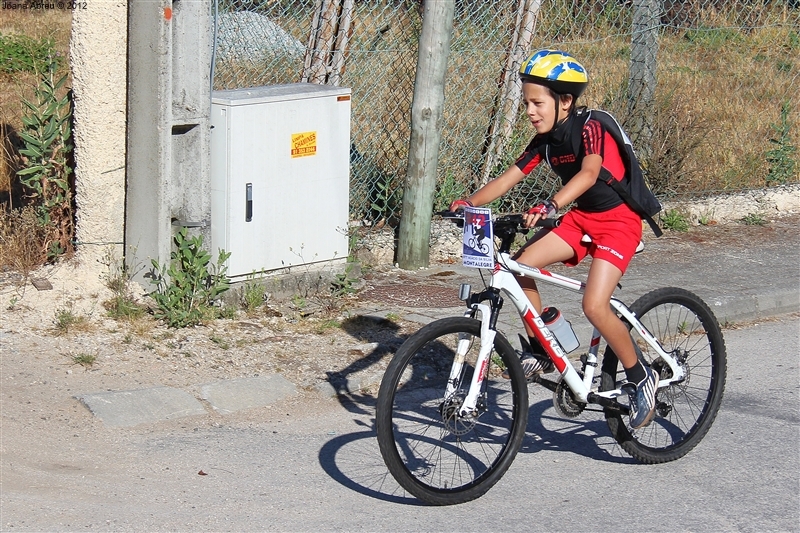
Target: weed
<point>315,288</point>
<point>253,294</point>
<point>782,164</point>
<point>327,325</point>
<point>342,285</point>
<point>706,219</point>
<point>392,317</point>
<point>753,219</point>
<point>387,198</point>
<point>122,305</point>
<point>66,319</point>
<point>186,291</point>
<point>498,362</point>
<point>225,311</point>
<point>713,38</point>
<point>673,220</point>
<point>219,341</point>
<point>47,139</point>
<point>84,359</point>
<point>20,53</point>
<point>299,302</point>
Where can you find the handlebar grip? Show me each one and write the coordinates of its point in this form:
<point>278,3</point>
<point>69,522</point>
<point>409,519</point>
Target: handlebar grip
<point>548,223</point>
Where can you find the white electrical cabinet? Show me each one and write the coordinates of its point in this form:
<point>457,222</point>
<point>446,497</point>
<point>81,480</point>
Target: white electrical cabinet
<point>280,162</point>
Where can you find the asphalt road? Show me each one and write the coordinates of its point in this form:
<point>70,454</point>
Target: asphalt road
<point>317,468</point>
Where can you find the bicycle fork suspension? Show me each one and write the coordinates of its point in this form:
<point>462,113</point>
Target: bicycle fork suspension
<point>469,406</point>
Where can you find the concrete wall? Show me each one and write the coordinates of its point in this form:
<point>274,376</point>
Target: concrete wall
<point>98,49</point>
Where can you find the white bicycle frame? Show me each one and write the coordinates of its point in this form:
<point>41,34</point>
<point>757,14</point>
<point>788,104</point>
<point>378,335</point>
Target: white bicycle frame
<point>503,279</point>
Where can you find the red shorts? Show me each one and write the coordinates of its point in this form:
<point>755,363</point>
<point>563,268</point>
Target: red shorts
<point>615,234</point>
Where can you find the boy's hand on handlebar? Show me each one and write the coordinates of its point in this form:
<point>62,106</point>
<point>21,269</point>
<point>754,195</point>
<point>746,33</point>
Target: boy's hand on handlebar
<point>544,210</point>
<point>459,205</point>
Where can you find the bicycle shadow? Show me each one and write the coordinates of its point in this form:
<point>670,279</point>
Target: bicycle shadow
<point>354,459</point>
<point>586,435</point>
<point>350,382</point>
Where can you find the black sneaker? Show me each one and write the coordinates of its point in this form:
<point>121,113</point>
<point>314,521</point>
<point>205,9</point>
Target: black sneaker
<point>533,364</point>
<point>643,399</point>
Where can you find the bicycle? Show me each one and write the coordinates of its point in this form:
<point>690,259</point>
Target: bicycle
<point>448,433</point>
<point>478,244</point>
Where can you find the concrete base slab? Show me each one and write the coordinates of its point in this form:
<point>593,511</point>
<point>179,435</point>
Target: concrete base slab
<point>133,407</point>
<point>245,393</point>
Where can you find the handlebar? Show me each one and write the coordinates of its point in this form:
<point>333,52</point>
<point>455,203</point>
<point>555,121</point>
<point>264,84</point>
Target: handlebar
<point>505,227</point>
<point>503,223</point>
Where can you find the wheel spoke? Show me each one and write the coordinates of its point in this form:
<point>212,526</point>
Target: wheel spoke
<point>686,329</point>
<point>433,452</point>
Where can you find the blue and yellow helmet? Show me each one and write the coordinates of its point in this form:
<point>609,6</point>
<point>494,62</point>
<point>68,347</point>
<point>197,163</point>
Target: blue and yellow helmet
<point>555,69</point>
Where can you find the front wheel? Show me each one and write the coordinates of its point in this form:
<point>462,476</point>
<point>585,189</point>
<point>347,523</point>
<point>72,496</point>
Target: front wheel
<point>685,410</point>
<point>433,452</point>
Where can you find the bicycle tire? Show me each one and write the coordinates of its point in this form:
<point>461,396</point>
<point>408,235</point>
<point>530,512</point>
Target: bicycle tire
<point>440,458</point>
<point>685,411</point>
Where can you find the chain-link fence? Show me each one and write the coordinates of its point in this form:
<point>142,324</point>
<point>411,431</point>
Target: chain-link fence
<point>710,97</point>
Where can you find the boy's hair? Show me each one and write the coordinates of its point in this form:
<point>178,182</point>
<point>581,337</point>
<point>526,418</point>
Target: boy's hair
<point>558,97</point>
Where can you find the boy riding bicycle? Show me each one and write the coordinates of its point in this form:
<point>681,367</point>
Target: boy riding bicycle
<point>551,83</point>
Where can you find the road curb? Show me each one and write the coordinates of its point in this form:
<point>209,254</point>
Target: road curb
<point>150,405</point>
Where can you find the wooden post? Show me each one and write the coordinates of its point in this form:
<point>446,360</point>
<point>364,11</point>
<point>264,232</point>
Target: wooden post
<point>413,249</point>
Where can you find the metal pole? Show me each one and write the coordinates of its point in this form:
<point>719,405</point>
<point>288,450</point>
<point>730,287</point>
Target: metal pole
<point>423,151</point>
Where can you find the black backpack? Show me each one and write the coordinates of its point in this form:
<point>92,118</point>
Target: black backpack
<point>634,190</point>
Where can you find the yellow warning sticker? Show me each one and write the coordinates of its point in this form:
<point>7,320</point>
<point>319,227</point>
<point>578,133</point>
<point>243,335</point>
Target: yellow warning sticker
<point>304,144</point>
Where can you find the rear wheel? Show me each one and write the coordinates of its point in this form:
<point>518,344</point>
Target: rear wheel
<point>685,410</point>
<point>434,453</point>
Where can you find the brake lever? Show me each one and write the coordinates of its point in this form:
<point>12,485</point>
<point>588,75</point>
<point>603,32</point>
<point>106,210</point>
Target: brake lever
<point>457,217</point>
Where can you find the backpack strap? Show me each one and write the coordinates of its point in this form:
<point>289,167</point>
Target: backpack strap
<point>626,150</point>
<point>628,199</point>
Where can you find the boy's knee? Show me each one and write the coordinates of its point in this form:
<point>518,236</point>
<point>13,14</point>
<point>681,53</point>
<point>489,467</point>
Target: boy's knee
<point>595,309</point>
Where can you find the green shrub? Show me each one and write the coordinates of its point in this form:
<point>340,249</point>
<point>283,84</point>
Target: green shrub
<point>782,164</point>
<point>674,220</point>
<point>187,291</point>
<point>47,140</point>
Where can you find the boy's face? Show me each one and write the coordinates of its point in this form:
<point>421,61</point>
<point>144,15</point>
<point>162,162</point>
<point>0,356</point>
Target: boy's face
<point>540,107</point>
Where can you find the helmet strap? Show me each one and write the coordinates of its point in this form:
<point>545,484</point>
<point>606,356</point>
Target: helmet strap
<point>557,122</point>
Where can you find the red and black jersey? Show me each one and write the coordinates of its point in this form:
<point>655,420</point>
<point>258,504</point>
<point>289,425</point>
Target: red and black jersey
<point>566,159</point>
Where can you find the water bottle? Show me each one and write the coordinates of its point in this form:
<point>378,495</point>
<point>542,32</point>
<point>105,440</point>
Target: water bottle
<point>561,328</point>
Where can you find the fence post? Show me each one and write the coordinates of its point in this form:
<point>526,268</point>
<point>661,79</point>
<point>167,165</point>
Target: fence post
<point>423,150</point>
<point>328,40</point>
<point>642,81</point>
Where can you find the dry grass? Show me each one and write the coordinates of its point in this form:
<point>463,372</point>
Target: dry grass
<point>21,241</point>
